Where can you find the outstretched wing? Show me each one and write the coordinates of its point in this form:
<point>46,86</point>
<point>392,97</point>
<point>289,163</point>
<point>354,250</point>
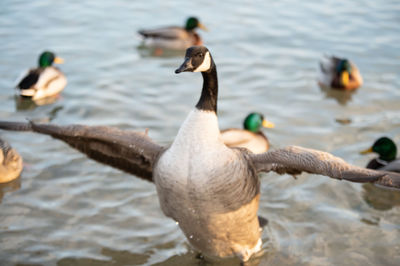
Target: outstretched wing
<point>130,151</point>
<point>294,160</point>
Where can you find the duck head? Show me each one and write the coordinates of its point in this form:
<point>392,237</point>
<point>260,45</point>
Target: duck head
<point>48,58</point>
<point>193,23</point>
<point>254,121</point>
<point>385,147</point>
<point>197,59</point>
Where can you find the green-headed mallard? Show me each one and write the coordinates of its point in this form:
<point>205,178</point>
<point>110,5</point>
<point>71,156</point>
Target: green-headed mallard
<point>10,162</point>
<point>251,136</point>
<point>43,81</point>
<point>212,191</point>
<point>387,151</point>
<point>339,73</point>
<point>174,37</point>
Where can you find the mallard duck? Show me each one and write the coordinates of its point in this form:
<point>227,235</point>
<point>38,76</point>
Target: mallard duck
<point>174,37</point>
<point>10,162</point>
<point>212,191</point>
<point>387,151</point>
<point>376,197</point>
<point>339,73</point>
<point>43,81</point>
<point>250,137</point>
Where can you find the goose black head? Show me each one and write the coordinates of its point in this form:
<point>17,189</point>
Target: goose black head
<point>197,59</point>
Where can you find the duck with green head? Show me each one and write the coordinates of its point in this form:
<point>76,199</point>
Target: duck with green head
<point>339,73</point>
<point>43,81</point>
<point>387,151</point>
<point>174,37</point>
<point>251,136</point>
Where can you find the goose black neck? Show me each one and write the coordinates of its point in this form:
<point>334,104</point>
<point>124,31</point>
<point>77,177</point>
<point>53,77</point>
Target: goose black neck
<point>209,94</point>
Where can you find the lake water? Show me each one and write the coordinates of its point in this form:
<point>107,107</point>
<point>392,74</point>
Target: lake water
<point>68,210</point>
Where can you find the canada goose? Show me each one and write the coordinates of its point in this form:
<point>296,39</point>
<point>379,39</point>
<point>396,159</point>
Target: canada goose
<point>43,81</point>
<point>174,37</point>
<point>339,73</point>
<point>211,190</point>
<point>387,151</point>
<point>250,137</point>
<point>10,162</point>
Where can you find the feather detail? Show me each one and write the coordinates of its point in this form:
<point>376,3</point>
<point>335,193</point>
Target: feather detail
<point>294,160</point>
<point>130,151</point>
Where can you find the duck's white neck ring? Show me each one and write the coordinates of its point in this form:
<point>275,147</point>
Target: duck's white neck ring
<point>382,162</point>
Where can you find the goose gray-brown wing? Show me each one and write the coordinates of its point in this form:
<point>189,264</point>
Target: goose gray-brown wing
<point>294,160</point>
<point>130,151</point>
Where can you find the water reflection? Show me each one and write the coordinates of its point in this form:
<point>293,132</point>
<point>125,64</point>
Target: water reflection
<point>380,198</point>
<point>341,96</point>
<point>9,187</point>
<point>268,256</point>
<point>24,104</point>
<point>116,258</point>
<point>145,51</point>
<point>53,112</point>
<point>123,257</point>
<point>343,121</point>
<point>190,258</point>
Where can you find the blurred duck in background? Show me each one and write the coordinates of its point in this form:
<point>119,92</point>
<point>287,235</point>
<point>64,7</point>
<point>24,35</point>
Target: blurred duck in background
<point>339,73</point>
<point>10,163</point>
<point>250,137</point>
<point>43,81</point>
<point>387,151</point>
<point>173,37</point>
<point>376,196</point>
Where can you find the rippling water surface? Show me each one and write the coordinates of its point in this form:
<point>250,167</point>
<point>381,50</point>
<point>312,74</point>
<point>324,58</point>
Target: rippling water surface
<point>68,210</point>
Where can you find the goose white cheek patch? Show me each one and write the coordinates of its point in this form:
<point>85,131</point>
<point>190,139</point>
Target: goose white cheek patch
<point>205,65</point>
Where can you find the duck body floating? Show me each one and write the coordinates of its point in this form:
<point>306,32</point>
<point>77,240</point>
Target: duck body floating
<point>211,190</point>
<point>43,81</point>
<point>339,73</point>
<point>173,37</point>
<point>10,163</point>
<point>387,151</point>
<point>250,137</point>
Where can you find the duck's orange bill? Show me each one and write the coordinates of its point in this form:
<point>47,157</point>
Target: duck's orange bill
<point>369,150</point>
<point>345,78</point>
<point>201,26</point>
<point>58,60</point>
<point>268,124</point>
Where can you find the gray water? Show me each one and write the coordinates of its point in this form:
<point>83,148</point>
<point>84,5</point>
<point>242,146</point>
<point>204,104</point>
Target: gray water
<point>68,210</point>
